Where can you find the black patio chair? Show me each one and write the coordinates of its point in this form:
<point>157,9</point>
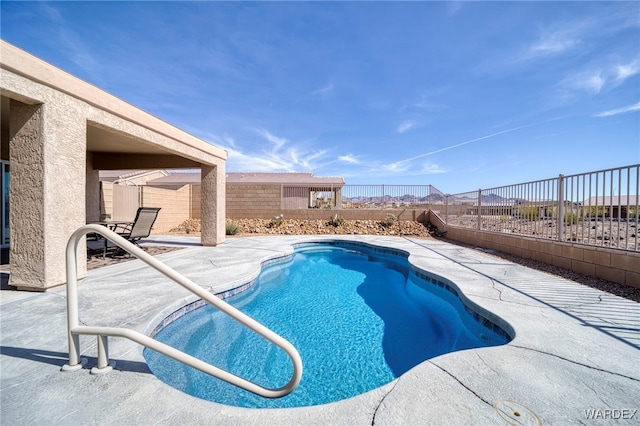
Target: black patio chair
<point>141,225</point>
<point>131,231</point>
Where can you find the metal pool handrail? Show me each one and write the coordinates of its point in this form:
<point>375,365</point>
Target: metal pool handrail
<point>74,328</point>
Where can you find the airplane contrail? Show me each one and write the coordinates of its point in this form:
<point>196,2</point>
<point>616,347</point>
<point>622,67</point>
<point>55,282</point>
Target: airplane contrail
<point>460,144</point>
<point>472,141</point>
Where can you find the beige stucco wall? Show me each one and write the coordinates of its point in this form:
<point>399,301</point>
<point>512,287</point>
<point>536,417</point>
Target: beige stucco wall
<point>47,153</point>
<point>92,191</point>
<point>27,146</point>
<point>212,204</point>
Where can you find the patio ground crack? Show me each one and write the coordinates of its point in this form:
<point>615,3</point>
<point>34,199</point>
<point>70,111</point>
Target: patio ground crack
<point>375,412</point>
<point>462,384</point>
<point>577,363</point>
<point>493,285</point>
<point>485,364</point>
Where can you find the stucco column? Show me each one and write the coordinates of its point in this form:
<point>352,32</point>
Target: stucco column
<point>213,204</point>
<point>47,155</point>
<point>92,191</point>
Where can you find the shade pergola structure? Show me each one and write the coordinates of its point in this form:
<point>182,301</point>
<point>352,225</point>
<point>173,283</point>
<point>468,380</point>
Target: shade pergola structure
<point>57,133</point>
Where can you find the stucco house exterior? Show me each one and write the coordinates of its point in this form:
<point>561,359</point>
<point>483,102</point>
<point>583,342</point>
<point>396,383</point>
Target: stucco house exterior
<point>616,206</point>
<point>58,132</point>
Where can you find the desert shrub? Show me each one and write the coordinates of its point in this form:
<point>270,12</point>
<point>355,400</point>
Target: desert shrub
<point>389,220</point>
<point>276,221</point>
<point>336,221</point>
<point>231,228</point>
<point>595,211</point>
<point>571,218</point>
<point>529,212</point>
<point>505,218</point>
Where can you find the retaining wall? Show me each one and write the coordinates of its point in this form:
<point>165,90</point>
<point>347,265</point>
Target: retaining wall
<point>618,266</point>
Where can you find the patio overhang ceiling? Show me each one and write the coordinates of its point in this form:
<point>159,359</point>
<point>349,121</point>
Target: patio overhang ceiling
<point>113,150</point>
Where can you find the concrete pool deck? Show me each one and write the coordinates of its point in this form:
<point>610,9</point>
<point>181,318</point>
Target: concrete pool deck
<point>575,357</point>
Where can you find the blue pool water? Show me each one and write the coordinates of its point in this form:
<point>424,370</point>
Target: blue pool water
<point>359,319</point>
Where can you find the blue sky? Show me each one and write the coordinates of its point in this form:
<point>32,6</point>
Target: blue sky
<point>460,95</point>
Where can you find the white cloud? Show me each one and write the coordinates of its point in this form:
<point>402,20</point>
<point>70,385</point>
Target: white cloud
<point>623,110</point>
<point>281,156</point>
<point>349,159</point>
<point>429,168</point>
<point>592,83</point>
<point>324,90</point>
<point>405,168</point>
<point>239,161</point>
<point>406,126</point>
<point>52,13</point>
<point>70,41</point>
<point>596,80</point>
<point>560,36</point>
<point>276,141</point>
<point>397,167</point>
<point>424,103</point>
<point>554,43</point>
<point>622,72</point>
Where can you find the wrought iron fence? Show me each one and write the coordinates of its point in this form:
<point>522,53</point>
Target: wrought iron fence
<point>598,208</point>
<point>385,196</point>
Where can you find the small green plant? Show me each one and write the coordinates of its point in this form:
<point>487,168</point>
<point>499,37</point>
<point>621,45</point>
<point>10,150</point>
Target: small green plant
<point>571,218</point>
<point>529,212</point>
<point>276,221</point>
<point>232,228</point>
<point>389,220</point>
<point>336,221</point>
<point>595,211</point>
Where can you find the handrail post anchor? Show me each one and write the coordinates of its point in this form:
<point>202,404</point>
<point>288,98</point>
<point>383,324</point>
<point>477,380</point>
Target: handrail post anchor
<point>104,366</point>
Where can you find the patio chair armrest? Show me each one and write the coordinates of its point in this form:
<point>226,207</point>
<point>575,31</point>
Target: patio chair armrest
<point>122,228</point>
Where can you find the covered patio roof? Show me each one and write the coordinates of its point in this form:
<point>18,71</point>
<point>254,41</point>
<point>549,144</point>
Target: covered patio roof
<point>58,131</point>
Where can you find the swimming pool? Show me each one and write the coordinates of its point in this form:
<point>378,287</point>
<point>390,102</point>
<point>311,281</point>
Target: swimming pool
<point>359,315</point>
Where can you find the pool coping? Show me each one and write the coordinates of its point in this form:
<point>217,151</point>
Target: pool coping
<point>568,339</point>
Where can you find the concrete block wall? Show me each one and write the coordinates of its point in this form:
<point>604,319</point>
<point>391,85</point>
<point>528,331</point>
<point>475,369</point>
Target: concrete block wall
<point>618,266</point>
<point>174,204</point>
<point>252,199</point>
<point>195,204</point>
